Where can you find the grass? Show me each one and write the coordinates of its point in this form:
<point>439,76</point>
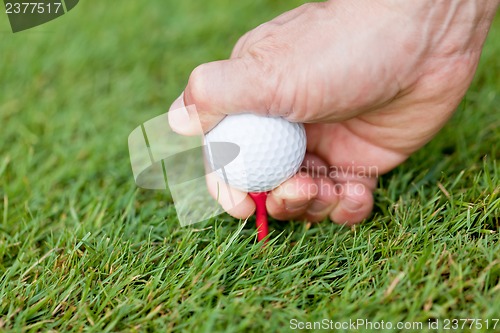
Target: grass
<point>82,249</point>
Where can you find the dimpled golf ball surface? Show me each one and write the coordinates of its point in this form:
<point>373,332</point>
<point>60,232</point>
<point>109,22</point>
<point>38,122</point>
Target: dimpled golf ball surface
<point>271,150</point>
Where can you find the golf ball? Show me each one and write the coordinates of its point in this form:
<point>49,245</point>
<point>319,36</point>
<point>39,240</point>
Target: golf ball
<point>255,153</point>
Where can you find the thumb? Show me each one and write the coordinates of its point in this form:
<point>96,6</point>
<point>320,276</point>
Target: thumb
<point>219,88</point>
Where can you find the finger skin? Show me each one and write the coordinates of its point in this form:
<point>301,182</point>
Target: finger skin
<point>227,87</point>
<point>313,195</point>
<point>355,202</point>
<point>326,200</point>
<point>235,202</point>
<point>309,195</point>
<point>292,198</point>
<point>184,120</point>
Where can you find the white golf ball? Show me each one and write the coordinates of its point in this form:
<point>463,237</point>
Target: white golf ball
<point>255,153</point>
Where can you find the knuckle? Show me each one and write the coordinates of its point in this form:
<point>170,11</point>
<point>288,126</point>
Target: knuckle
<point>263,58</point>
<point>240,46</point>
<point>253,36</point>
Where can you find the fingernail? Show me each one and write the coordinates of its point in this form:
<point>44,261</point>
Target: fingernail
<point>181,120</point>
<point>178,116</point>
<point>295,206</point>
<point>178,103</point>
<point>351,205</point>
<point>317,207</point>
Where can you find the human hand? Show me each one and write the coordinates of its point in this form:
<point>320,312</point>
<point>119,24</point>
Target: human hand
<point>373,81</point>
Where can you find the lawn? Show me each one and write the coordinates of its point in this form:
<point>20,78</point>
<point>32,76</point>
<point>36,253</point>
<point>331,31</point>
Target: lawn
<point>83,249</point>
